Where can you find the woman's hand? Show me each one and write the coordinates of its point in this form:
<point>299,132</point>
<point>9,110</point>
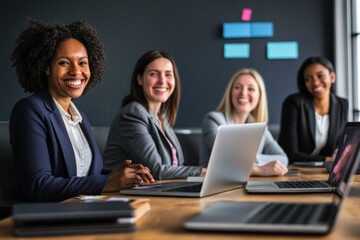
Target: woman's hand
<point>128,175</point>
<point>144,173</point>
<point>274,168</point>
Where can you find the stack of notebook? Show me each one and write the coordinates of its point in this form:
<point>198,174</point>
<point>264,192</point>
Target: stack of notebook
<point>41,219</point>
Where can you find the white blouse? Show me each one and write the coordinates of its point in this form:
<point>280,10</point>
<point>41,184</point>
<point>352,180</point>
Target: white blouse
<point>322,124</point>
<point>82,151</point>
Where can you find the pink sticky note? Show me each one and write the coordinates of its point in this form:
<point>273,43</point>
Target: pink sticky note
<point>246,14</point>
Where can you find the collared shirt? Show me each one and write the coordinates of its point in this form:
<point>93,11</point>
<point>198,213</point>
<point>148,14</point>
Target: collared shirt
<point>82,151</point>
<point>322,124</point>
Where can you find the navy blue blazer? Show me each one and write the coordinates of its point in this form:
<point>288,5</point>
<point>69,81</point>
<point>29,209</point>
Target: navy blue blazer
<point>44,157</point>
<point>297,133</point>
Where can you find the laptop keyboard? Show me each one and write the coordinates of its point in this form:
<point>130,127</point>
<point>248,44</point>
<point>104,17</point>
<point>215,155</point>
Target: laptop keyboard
<point>288,213</point>
<point>301,184</point>
<point>189,188</point>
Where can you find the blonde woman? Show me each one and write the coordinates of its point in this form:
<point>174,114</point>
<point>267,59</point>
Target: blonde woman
<point>244,102</point>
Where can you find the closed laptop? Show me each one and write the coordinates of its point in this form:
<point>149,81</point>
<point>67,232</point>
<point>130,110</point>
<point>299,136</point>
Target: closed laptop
<point>43,219</point>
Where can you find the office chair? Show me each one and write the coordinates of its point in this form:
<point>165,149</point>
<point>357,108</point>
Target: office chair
<point>8,174</point>
<point>190,139</point>
<point>101,135</point>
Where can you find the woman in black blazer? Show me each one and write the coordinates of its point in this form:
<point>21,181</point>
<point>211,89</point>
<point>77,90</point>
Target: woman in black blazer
<point>313,120</point>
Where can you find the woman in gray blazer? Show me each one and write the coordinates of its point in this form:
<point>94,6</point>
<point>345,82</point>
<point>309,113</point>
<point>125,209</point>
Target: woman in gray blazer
<point>245,101</point>
<point>142,130</point>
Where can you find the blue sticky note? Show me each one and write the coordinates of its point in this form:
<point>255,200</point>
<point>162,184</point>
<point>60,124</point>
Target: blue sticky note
<point>262,29</point>
<point>282,50</point>
<point>236,30</point>
<point>236,50</point>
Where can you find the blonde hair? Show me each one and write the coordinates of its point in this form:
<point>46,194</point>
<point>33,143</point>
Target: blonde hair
<point>260,113</point>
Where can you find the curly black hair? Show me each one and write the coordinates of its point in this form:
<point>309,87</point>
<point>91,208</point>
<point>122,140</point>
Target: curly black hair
<point>36,47</point>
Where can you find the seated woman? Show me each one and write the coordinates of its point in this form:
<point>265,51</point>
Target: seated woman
<point>245,101</point>
<point>142,130</point>
<point>55,153</point>
<point>313,120</point>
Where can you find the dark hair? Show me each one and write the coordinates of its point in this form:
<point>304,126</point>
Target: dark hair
<point>36,47</point>
<point>312,60</point>
<point>170,107</point>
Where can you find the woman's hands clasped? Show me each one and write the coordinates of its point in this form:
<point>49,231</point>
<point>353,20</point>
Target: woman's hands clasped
<point>274,168</point>
<point>128,175</point>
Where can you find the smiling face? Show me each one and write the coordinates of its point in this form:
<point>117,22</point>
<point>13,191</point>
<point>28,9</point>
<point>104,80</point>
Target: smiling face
<point>69,71</point>
<point>158,82</point>
<point>318,80</point>
<point>245,94</point>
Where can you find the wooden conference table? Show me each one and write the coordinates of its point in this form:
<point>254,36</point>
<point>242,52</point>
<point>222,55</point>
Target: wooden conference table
<point>167,215</point>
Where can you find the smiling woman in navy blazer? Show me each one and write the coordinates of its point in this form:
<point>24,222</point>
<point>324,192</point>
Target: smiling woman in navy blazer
<point>313,120</point>
<point>55,153</point>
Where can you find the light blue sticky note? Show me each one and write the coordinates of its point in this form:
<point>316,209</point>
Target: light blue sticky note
<point>236,30</point>
<point>236,50</point>
<point>262,29</point>
<point>282,50</point>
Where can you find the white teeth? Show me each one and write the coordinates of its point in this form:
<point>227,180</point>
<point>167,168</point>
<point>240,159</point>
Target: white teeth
<point>160,89</point>
<point>318,89</point>
<point>74,83</point>
<point>243,100</point>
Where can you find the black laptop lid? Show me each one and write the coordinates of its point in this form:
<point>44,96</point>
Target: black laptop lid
<point>347,153</point>
<point>70,211</point>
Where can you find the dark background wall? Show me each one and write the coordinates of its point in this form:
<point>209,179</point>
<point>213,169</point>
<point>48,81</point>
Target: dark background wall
<point>191,31</point>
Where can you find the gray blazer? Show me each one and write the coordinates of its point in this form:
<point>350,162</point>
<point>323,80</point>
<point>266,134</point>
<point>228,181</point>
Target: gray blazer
<point>135,134</point>
<point>269,150</point>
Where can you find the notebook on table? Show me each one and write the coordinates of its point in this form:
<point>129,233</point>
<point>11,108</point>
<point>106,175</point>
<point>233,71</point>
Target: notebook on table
<point>46,219</point>
<point>344,159</point>
<point>229,167</point>
<point>275,217</point>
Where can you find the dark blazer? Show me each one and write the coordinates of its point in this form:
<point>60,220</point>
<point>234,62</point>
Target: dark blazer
<point>136,134</point>
<point>44,156</point>
<point>297,133</point>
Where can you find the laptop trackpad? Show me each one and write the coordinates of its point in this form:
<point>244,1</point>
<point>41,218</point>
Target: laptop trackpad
<point>162,186</point>
<point>232,212</point>
<point>261,184</point>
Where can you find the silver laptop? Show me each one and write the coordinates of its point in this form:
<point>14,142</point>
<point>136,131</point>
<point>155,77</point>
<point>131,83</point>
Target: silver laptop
<point>229,167</point>
<point>346,153</point>
<point>275,217</point>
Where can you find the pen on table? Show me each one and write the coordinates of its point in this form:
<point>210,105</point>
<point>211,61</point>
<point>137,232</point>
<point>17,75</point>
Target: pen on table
<point>90,197</point>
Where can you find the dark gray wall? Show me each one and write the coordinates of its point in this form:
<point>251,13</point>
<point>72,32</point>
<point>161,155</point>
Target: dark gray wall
<point>191,31</point>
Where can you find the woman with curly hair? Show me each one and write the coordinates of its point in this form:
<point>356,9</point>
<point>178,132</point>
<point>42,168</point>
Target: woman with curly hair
<point>55,153</point>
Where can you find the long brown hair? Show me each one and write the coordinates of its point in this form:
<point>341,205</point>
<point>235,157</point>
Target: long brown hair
<point>170,107</point>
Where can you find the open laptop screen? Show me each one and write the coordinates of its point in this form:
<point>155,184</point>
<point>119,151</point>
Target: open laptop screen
<point>344,184</point>
<point>346,155</point>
